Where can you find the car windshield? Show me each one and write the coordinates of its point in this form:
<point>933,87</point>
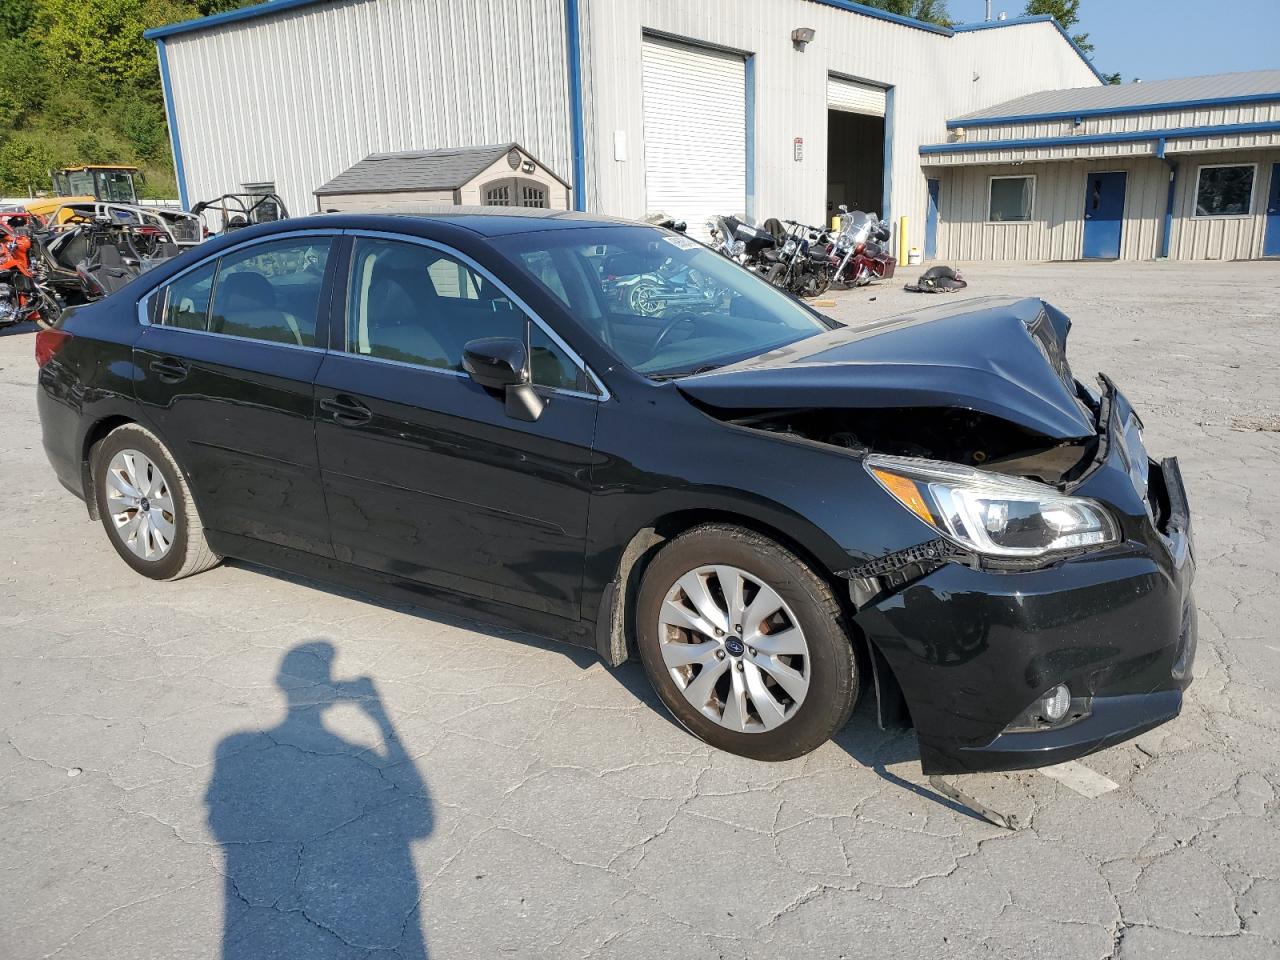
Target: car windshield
<point>665,304</point>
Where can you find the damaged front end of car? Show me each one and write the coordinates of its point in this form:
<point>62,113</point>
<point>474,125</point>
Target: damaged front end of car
<point>1041,609</point>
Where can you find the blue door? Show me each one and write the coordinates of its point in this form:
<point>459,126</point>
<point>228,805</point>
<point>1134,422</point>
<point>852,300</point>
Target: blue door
<point>931,222</point>
<point>1103,215</point>
<point>1271,244</point>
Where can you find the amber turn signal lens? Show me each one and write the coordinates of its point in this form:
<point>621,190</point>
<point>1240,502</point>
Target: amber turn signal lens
<point>907,492</point>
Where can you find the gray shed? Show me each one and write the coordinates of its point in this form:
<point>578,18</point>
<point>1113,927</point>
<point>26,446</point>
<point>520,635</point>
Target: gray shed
<point>501,175</point>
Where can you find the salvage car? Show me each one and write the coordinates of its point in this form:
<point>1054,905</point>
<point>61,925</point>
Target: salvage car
<point>772,510</point>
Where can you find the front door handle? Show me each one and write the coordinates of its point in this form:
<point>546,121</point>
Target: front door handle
<point>346,410</point>
<point>170,369</point>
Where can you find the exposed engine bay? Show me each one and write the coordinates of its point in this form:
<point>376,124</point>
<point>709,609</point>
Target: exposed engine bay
<point>966,437</point>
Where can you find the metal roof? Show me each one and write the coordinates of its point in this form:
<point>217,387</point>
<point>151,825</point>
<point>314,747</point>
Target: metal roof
<point>1219,89</point>
<point>444,169</point>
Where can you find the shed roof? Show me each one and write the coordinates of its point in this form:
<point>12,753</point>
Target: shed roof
<point>1222,88</point>
<point>447,168</point>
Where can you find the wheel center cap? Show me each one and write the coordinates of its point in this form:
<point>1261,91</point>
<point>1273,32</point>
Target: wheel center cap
<point>145,505</point>
<point>734,646</point>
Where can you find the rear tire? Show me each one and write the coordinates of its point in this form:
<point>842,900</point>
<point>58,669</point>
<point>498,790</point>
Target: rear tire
<point>146,507</point>
<point>775,688</point>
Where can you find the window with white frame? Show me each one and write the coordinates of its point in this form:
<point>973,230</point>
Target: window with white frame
<point>1225,190</point>
<point>1011,199</point>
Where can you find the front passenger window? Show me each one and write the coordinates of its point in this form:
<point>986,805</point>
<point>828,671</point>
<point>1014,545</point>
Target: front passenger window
<point>415,304</point>
<point>271,291</point>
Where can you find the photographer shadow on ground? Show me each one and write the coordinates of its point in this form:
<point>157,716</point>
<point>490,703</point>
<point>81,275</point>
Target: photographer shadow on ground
<point>316,831</point>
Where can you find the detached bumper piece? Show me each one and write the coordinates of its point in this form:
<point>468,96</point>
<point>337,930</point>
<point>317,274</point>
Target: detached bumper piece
<point>973,650</point>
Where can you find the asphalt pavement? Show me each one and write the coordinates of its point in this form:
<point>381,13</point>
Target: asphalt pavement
<point>245,764</point>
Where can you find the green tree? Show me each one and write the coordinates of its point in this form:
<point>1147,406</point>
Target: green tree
<point>19,96</point>
<point>1066,12</point>
<point>24,166</point>
<point>101,42</point>
<point>931,11</point>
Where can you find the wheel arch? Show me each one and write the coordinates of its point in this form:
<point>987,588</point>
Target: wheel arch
<point>98,432</point>
<point>616,620</point>
<point>616,624</point>
<point>92,437</point>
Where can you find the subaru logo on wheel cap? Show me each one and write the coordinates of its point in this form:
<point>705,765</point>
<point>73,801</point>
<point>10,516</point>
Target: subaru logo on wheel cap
<point>734,646</point>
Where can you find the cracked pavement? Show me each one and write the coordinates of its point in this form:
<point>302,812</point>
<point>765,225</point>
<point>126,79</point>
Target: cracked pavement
<point>197,769</point>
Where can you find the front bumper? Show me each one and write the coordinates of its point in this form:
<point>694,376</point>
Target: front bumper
<point>972,648</point>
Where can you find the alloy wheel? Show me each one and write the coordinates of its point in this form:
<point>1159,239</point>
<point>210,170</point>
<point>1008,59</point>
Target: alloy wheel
<point>734,648</point>
<point>140,504</point>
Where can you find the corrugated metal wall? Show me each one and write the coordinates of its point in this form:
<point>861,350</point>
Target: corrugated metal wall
<point>1123,123</point>
<point>933,77</point>
<point>295,98</point>
<point>1220,238</point>
<point>298,97</point>
<point>1057,230</point>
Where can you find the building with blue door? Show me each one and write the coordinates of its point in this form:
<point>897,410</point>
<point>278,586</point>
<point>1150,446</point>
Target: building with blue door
<point>1187,169</point>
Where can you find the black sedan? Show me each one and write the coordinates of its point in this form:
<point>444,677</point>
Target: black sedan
<point>604,432</point>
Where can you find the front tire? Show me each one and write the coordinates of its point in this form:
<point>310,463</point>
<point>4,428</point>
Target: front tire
<point>745,644</point>
<point>146,506</point>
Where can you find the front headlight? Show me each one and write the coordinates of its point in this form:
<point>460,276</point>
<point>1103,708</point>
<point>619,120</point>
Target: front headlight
<point>990,514</point>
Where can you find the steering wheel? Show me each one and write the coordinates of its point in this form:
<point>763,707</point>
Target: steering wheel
<point>667,330</point>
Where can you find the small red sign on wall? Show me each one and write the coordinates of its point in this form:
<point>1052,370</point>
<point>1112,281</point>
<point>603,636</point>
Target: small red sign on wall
<point>798,147</point>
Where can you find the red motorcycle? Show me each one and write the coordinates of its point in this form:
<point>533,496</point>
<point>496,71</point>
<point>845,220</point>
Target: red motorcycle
<point>22,296</point>
<point>860,251</point>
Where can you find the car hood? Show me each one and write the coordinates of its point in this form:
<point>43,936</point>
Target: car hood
<point>1000,356</point>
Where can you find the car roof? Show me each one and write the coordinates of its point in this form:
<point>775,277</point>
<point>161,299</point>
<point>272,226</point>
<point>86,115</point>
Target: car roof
<point>485,221</point>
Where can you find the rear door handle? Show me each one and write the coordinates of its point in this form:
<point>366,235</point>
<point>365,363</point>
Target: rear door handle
<point>171,369</point>
<point>346,410</point>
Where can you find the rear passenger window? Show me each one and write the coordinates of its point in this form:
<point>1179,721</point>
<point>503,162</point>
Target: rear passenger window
<point>186,303</point>
<point>415,304</point>
<point>271,291</point>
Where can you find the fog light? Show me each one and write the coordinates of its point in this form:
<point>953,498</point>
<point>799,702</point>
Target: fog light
<point>1055,704</point>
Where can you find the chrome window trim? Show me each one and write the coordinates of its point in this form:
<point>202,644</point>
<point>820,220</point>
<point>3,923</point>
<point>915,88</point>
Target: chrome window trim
<point>529,312</point>
<point>145,320</point>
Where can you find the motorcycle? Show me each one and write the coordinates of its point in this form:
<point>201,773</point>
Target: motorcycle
<point>803,267</point>
<point>656,290</point>
<point>23,295</point>
<point>860,249</point>
<point>739,241</point>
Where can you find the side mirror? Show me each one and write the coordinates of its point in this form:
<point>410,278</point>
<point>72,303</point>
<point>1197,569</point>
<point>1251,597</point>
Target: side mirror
<point>495,362</point>
<point>501,363</point>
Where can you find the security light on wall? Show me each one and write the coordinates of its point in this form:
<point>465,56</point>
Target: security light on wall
<point>527,166</point>
<point>801,35</point>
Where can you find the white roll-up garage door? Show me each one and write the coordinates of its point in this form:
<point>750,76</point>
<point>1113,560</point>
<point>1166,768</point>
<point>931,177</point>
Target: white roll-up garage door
<point>853,97</point>
<point>695,133</point>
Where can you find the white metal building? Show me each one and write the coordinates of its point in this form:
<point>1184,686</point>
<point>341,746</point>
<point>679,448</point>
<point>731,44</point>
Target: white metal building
<point>1188,169</point>
<point>687,107</point>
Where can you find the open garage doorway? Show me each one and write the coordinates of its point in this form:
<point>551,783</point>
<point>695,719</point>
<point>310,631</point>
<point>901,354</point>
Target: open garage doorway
<point>855,146</point>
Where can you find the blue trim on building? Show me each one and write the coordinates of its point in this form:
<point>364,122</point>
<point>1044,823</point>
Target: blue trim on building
<point>751,138</point>
<point>175,141</point>
<point>1166,236</point>
<point>879,14</point>
<point>1116,111</point>
<point>887,176</point>
<point>1128,136</point>
<point>1019,21</point>
<point>577,131</point>
<point>230,16</point>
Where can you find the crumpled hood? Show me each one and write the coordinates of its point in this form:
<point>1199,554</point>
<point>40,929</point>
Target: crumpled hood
<point>1000,356</point>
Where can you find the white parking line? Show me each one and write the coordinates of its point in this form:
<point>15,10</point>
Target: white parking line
<point>1080,778</point>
